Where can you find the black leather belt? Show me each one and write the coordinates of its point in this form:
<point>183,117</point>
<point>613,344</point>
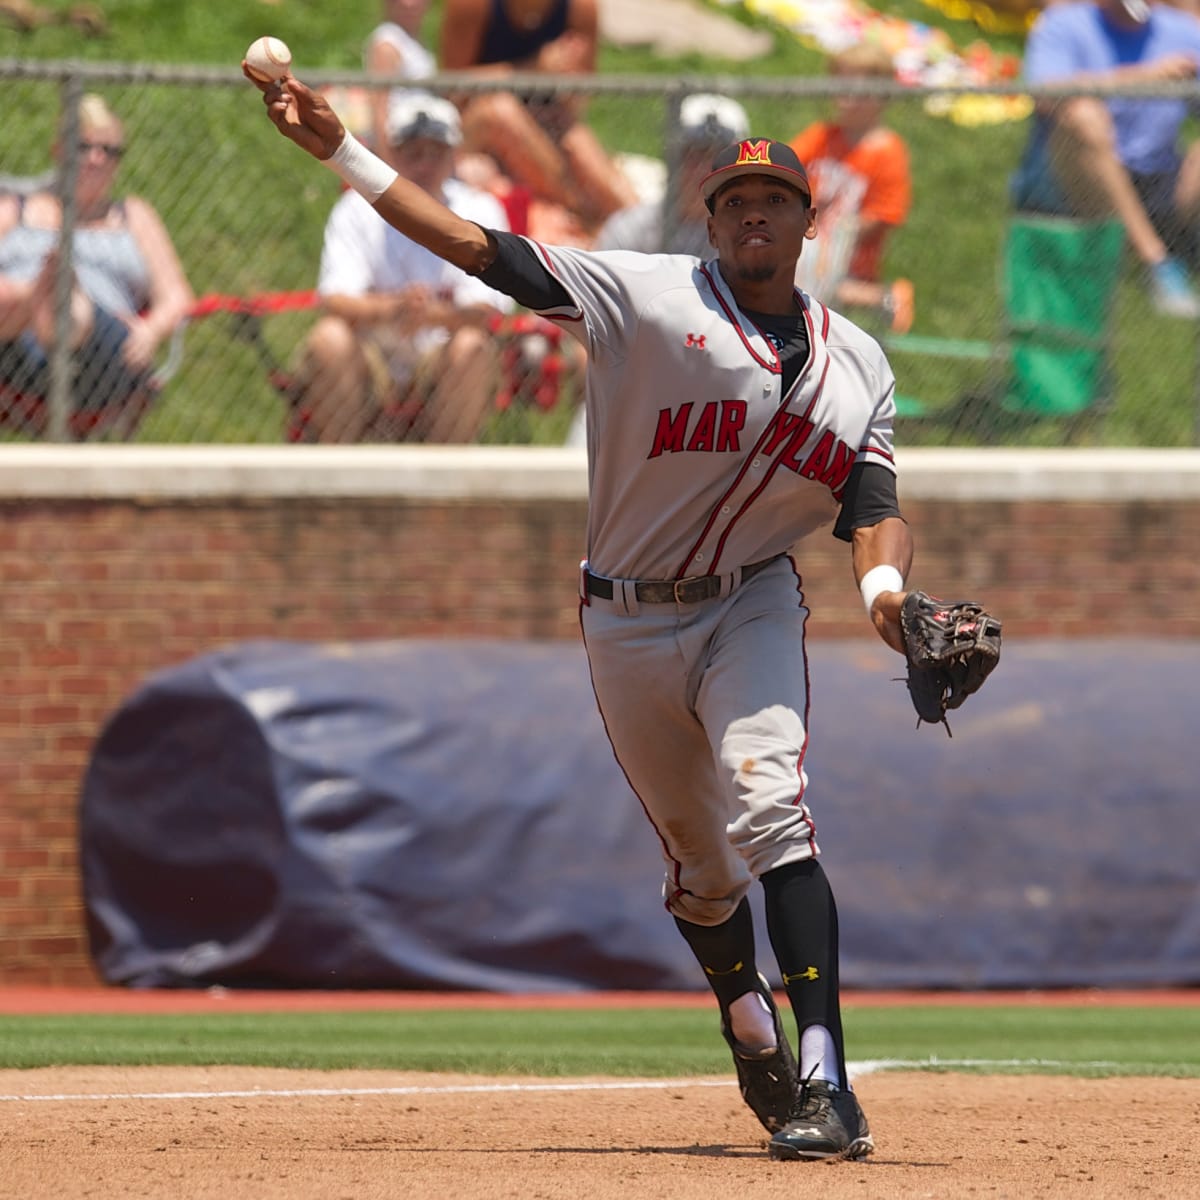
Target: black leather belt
<point>692,590</point>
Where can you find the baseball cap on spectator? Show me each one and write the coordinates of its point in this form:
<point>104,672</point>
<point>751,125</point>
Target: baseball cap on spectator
<point>413,114</point>
<point>710,120</point>
<point>755,156</point>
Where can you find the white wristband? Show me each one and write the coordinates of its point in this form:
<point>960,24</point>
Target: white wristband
<point>365,172</point>
<point>883,578</point>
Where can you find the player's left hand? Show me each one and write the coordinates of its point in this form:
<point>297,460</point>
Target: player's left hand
<point>951,648</point>
<point>300,114</point>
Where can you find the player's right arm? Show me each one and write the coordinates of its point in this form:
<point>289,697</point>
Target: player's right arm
<point>304,117</point>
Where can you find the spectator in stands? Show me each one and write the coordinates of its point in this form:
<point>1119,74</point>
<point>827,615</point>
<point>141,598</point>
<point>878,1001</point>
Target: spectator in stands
<point>862,189</point>
<point>402,349</point>
<point>394,50</point>
<point>706,124</point>
<point>540,141</point>
<point>1095,158</point>
<point>130,291</point>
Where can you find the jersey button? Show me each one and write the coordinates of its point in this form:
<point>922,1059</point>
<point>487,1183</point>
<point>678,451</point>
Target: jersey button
<point>724,509</point>
<point>756,464</point>
<point>699,557</point>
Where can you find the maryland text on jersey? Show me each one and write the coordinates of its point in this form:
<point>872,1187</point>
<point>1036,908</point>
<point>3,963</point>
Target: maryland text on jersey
<point>716,426</point>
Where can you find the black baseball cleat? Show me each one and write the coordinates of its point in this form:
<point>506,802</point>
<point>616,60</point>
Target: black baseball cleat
<point>768,1078</point>
<point>826,1122</point>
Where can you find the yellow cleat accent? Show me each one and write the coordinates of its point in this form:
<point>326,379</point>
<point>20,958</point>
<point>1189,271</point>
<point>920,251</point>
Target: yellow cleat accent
<point>808,973</point>
<point>737,966</point>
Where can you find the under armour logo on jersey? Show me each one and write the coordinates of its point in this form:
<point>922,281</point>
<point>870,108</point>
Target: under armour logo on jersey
<point>695,340</point>
<point>809,973</point>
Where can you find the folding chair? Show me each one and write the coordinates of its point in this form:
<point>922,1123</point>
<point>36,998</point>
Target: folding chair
<point>1059,285</point>
<point>533,360</point>
<point>28,412</point>
<point>1058,280</point>
<point>25,411</point>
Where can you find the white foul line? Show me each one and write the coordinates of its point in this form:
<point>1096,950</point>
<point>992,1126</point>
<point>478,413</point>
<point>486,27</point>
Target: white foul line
<point>451,1090</point>
<point>856,1069</point>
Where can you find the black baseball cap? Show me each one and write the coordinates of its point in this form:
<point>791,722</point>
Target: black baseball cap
<point>756,156</point>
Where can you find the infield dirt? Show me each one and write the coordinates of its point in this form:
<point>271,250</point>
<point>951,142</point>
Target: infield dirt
<point>154,1132</point>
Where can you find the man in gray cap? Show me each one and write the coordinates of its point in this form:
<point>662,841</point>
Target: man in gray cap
<point>706,124</point>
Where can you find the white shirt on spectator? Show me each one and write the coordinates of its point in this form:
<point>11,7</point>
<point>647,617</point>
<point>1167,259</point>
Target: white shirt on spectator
<point>362,253</point>
<point>416,61</point>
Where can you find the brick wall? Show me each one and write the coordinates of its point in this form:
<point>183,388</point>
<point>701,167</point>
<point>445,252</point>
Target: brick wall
<point>106,577</point>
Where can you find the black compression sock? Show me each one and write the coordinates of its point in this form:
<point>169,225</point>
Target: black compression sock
<point>803,927</point>
<point>726,953</point>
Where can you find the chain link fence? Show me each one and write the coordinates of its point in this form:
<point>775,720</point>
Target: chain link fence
<point>1024,331</point>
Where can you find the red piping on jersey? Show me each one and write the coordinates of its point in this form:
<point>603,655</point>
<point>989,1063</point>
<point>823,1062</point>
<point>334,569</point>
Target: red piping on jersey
<point>768,475</point>
<point>750,456</point>
<point>776,368</point>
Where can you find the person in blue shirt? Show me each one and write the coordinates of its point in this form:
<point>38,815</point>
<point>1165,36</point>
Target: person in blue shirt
<point>1119,156</point>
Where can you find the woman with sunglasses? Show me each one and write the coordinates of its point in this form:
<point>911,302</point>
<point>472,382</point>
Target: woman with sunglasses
<point>130,290</point>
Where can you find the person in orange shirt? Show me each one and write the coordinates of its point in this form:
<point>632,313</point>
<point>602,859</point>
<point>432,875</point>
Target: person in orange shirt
<point>862,189</point>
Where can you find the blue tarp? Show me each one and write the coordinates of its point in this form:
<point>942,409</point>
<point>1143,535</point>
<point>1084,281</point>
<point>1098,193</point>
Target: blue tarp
<point>448,815</point>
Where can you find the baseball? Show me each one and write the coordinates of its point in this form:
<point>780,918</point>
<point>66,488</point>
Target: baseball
<point>268,59</point>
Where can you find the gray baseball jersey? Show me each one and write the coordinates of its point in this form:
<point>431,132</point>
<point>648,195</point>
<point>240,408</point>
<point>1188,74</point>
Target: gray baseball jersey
<point>702,465</point>
<point>698,463</point>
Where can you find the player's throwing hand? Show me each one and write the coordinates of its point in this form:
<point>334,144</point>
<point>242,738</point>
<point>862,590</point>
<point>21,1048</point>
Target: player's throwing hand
<point>300,114</point>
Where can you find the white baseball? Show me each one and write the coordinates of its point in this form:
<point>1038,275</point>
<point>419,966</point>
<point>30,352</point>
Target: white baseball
<point>268,59</point>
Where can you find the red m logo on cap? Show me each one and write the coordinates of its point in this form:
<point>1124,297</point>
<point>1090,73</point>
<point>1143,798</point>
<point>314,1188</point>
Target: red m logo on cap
<point>754,152</point>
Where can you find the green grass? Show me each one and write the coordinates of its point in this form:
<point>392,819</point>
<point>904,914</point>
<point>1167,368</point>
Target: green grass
<point>248,212</point>
<point>656,1043</point>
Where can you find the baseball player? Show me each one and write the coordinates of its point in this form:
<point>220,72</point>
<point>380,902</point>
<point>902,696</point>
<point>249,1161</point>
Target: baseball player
<point>728,417</point>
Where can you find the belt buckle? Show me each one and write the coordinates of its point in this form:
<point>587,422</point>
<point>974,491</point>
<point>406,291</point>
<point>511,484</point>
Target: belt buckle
<point>677,584</point>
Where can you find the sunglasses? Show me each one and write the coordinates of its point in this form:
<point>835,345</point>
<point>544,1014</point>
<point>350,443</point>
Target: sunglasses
<point>109,151</point>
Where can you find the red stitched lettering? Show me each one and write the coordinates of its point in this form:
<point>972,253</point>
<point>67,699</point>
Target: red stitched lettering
<point>670,431</point>
<point>839,470</point>
<point>733,420</point>
<point>790,458</point>
<point>706,428</point>
<point>817,462</point>
<point>781,429</point>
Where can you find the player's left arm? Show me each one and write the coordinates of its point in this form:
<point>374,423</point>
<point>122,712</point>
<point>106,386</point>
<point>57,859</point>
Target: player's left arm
<point>879,536</point>
<point>886,544</point>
